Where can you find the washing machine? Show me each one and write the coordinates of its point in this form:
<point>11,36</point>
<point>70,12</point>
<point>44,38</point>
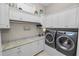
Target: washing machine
<point>66,42</point>
<point>50,37</point>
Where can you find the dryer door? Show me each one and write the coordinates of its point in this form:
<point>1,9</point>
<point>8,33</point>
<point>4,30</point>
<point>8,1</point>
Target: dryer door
<point>65,43</point>
<point>49,37</point>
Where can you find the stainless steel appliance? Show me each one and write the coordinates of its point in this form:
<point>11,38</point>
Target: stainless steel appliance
<point>50,37</point>
<point>66,42</point>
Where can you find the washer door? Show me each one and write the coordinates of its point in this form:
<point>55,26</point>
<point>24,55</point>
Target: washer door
<point>49,38</point>
<point>65,43</point>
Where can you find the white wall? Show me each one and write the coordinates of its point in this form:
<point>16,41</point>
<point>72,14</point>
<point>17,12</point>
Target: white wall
<point>58,7</point>
<point>17,31</point>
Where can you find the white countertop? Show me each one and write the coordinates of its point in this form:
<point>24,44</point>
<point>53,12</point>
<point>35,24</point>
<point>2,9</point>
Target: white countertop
<point>17,43</point>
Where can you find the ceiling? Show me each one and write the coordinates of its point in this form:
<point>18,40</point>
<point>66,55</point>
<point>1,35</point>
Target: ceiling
<point>57,4</point>
<point>45,4</point>
<point>41,4</point>
<point>52,4</point>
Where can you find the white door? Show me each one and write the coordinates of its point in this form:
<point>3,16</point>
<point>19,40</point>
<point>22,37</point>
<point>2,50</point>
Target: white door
<point>15,14</point>
<point>29,49</point>
<point>35,47</point>
<point>25,50</point>
<point>42,20</point>
<point>29,17</point>
<point>4,15</point>
<point>41,45</point>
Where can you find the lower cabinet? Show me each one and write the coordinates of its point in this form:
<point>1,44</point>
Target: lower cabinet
<point>34,48</point>
<point>40,45</point>
<point>11,52</point>
<point>29,49</point>
<point>26,50</point>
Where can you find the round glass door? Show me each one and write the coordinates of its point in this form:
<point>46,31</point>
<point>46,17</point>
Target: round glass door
<point>65,42</point>
<point>49,38</point>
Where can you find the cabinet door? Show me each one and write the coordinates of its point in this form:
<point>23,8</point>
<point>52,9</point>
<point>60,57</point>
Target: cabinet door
<point>43,20</point>
<point>41,45</point>
<point>29,17</point>
<point>35,47</point>
<point>11,52</point>
<point>25,50</point>
<point>4,15</point>
<point>15,14</point>
<point>47,21</point>
<point>70,18</point>
<point>26,17</point>
<point>29,49</point>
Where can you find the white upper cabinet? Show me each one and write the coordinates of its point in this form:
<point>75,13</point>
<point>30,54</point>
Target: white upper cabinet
<point>26,7</point>
<point>25,12</point>
<point>64,19</point>
<point>4,15</point>
<point>16,14</point>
